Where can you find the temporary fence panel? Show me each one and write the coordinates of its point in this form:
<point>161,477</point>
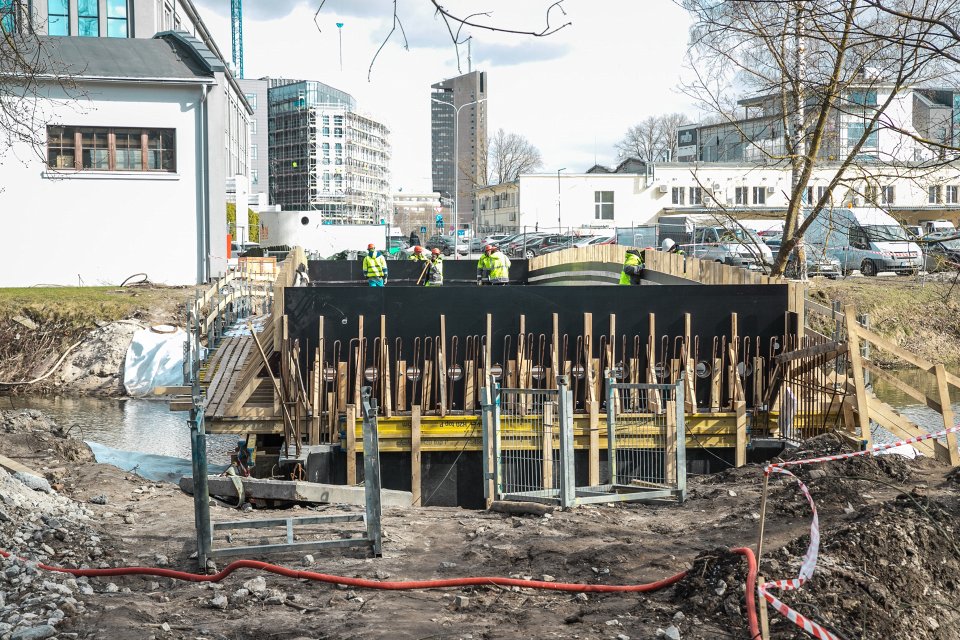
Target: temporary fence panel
<point>531,444</point>
<point>646,444</point>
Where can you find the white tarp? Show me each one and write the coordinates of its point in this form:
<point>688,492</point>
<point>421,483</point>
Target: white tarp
<point>154,359</point>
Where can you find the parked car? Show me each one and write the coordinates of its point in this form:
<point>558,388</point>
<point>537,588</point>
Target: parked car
<point>446,245</point>
<point>479,242</point>
<point>535,245</point>
<point>704,238</point>
<point>514,247</point>
<point>818,264</point>
<point>942,252</point>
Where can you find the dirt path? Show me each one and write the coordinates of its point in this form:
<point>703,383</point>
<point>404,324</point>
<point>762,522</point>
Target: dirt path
<point>888,564</point>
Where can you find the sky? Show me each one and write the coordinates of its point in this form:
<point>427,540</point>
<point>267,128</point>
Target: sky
<point>572,94</point>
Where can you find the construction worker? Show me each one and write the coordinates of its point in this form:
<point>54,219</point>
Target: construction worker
<point>435,277</point>
<point>669,246</point>
<point>493,267</point>
<point>632,267</point>
<point>375,267</point>
<point>418,254</point>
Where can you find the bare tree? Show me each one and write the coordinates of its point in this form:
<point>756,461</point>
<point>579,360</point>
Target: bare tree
<point>32,76</point>
<point>654,138</point>
<point>509,155</point>
<point>828,77</point>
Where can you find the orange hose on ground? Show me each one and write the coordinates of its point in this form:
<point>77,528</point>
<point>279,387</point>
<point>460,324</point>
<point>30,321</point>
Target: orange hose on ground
<point>418,584</point>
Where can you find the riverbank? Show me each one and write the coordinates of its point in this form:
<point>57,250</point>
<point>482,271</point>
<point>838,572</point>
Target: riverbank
<point>89,328</point>
<point>885,564</point>
<point>922,317</point>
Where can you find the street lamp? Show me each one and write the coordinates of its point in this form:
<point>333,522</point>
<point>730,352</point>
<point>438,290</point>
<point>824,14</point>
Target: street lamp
<point>456,167</point>
<point>559,225</point>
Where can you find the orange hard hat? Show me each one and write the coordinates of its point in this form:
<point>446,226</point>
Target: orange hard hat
<point>489,247</point>
<point>371,246</point>
<point>435,251</point>
<point>417,249</point>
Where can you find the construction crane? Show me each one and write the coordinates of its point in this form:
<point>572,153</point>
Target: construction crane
<point>236,32</point>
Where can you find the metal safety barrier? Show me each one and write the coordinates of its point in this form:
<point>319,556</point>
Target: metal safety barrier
<point>531,444</point>
<point>646,444</point>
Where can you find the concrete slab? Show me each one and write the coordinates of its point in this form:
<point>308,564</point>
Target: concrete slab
<point>299,491</point>
<point>15,467</point>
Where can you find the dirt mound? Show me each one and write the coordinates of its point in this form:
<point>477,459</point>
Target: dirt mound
<point>713,590</point>
<point>890,573</point>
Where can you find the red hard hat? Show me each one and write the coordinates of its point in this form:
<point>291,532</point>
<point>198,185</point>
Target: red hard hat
<point>417,249</point>
<point>435,251</point>
<point>371,246</point>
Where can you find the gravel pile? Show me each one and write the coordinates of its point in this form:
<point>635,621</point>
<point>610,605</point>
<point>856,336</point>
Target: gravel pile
<point>37,525</point>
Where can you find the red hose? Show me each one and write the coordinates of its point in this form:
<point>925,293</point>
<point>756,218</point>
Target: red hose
<point>362,582</point>
<point>747,553</point>
<point>420,584</point>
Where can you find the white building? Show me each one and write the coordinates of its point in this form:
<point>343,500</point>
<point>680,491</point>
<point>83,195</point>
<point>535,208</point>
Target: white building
<point>638,193</point>
<point>138,137</point>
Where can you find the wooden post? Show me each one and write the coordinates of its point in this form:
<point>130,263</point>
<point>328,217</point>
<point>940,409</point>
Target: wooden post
<point>401,385</point>
<point>320,381</point>
<point>442,365</point>
<point>856,363</point>
<point>589,373</point>
<point>593,455</point>
<point>732,361</point>
<point>351,432</point>
<point>426,397</point>
<point>383,376</point>
<point>716,384</point>
<point>316,393</point>
<point>757,381</point>
<point>415,455</point>
<point>555,353</point>
<point>946,411</point>
<point>612,360</point>
<point>653,396</point>
<point>488,352</point>
<point>358,379</point>
<point>341,385</point>
<point>741,455</point>
<point>547,445</point>
<point>521,356</point>
<point>670,452</point>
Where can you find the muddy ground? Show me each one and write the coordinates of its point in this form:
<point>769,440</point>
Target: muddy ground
<point>888,564</point>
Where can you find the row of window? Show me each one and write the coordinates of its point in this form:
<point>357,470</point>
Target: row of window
<point>88,18</point>
<point>873,194</point>
<point>111,149</point>
<point>935,195</point>
<point>742,195</point>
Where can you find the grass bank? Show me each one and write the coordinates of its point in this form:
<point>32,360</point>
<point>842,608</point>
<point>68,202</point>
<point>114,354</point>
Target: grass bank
<point>921,317</point>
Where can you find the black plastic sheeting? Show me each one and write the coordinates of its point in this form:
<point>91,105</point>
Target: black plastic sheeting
<point>404,273</point>
<point>415,312</point>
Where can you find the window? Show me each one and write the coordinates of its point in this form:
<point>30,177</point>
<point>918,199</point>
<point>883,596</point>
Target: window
<point>252,99</point>
<point>58,17</point>
<point>696,195</point>
<point>129,150</point>
<point>89,18</point>
<point>326,153</point>
<point>889,194</point>
<point>254,176</point>
<point>326,121</point>
<point>741,194</point>
<point>603,205</point>
<point>8,16</point>
<point>61,147</point>
<point>676,195</point>
<point>870,194</point>
<point>935,195</point>
<point>338,152</point>
<point>338,132</point>
<point>253,127</point>
<point>253,152</point>
<point>759,195</point>
<point>338,121</point>
<point>326,182</point>
<point>106,149</point>
<point>117,19</point>
<point>326,132</point>
<point>952,194</point>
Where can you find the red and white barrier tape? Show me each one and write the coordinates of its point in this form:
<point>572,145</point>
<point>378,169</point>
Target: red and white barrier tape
<point>810,558</point>
<point>874,449</point>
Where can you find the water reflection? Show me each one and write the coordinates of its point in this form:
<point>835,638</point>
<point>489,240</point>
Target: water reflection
<point>910,408</point>
<point>147,426</point>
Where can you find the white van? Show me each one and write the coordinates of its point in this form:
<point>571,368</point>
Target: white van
<point>865,238</point>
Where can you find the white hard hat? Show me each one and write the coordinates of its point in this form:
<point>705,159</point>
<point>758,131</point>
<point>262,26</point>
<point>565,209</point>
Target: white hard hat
<point>667,244</point>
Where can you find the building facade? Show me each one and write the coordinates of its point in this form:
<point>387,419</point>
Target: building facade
<point>255,93</point>
<point>147,114</point>
<point>418,212</point>
<point>458,126</point>
<point>326,156</point>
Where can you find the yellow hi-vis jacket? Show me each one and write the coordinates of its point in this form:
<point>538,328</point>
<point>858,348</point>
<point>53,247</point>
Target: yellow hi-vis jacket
<point>494,267</point>
<point>374,265</point>
<point>632,267</point>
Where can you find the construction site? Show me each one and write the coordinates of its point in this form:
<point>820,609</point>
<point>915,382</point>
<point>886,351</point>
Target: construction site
<point>696,457</point>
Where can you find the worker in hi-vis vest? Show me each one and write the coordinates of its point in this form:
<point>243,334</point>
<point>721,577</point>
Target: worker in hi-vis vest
<point>632,267</point>
<point>375,267</point>
<point>669,246</point>
<point>417,254</point>
<point>493,267</point>
<point>435,277</point>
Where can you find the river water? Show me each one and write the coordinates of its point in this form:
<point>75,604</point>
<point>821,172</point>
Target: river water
<point>122,426</point>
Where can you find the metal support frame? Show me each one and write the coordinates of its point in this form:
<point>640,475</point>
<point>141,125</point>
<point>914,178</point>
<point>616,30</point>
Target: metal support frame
<point>372,517</point>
